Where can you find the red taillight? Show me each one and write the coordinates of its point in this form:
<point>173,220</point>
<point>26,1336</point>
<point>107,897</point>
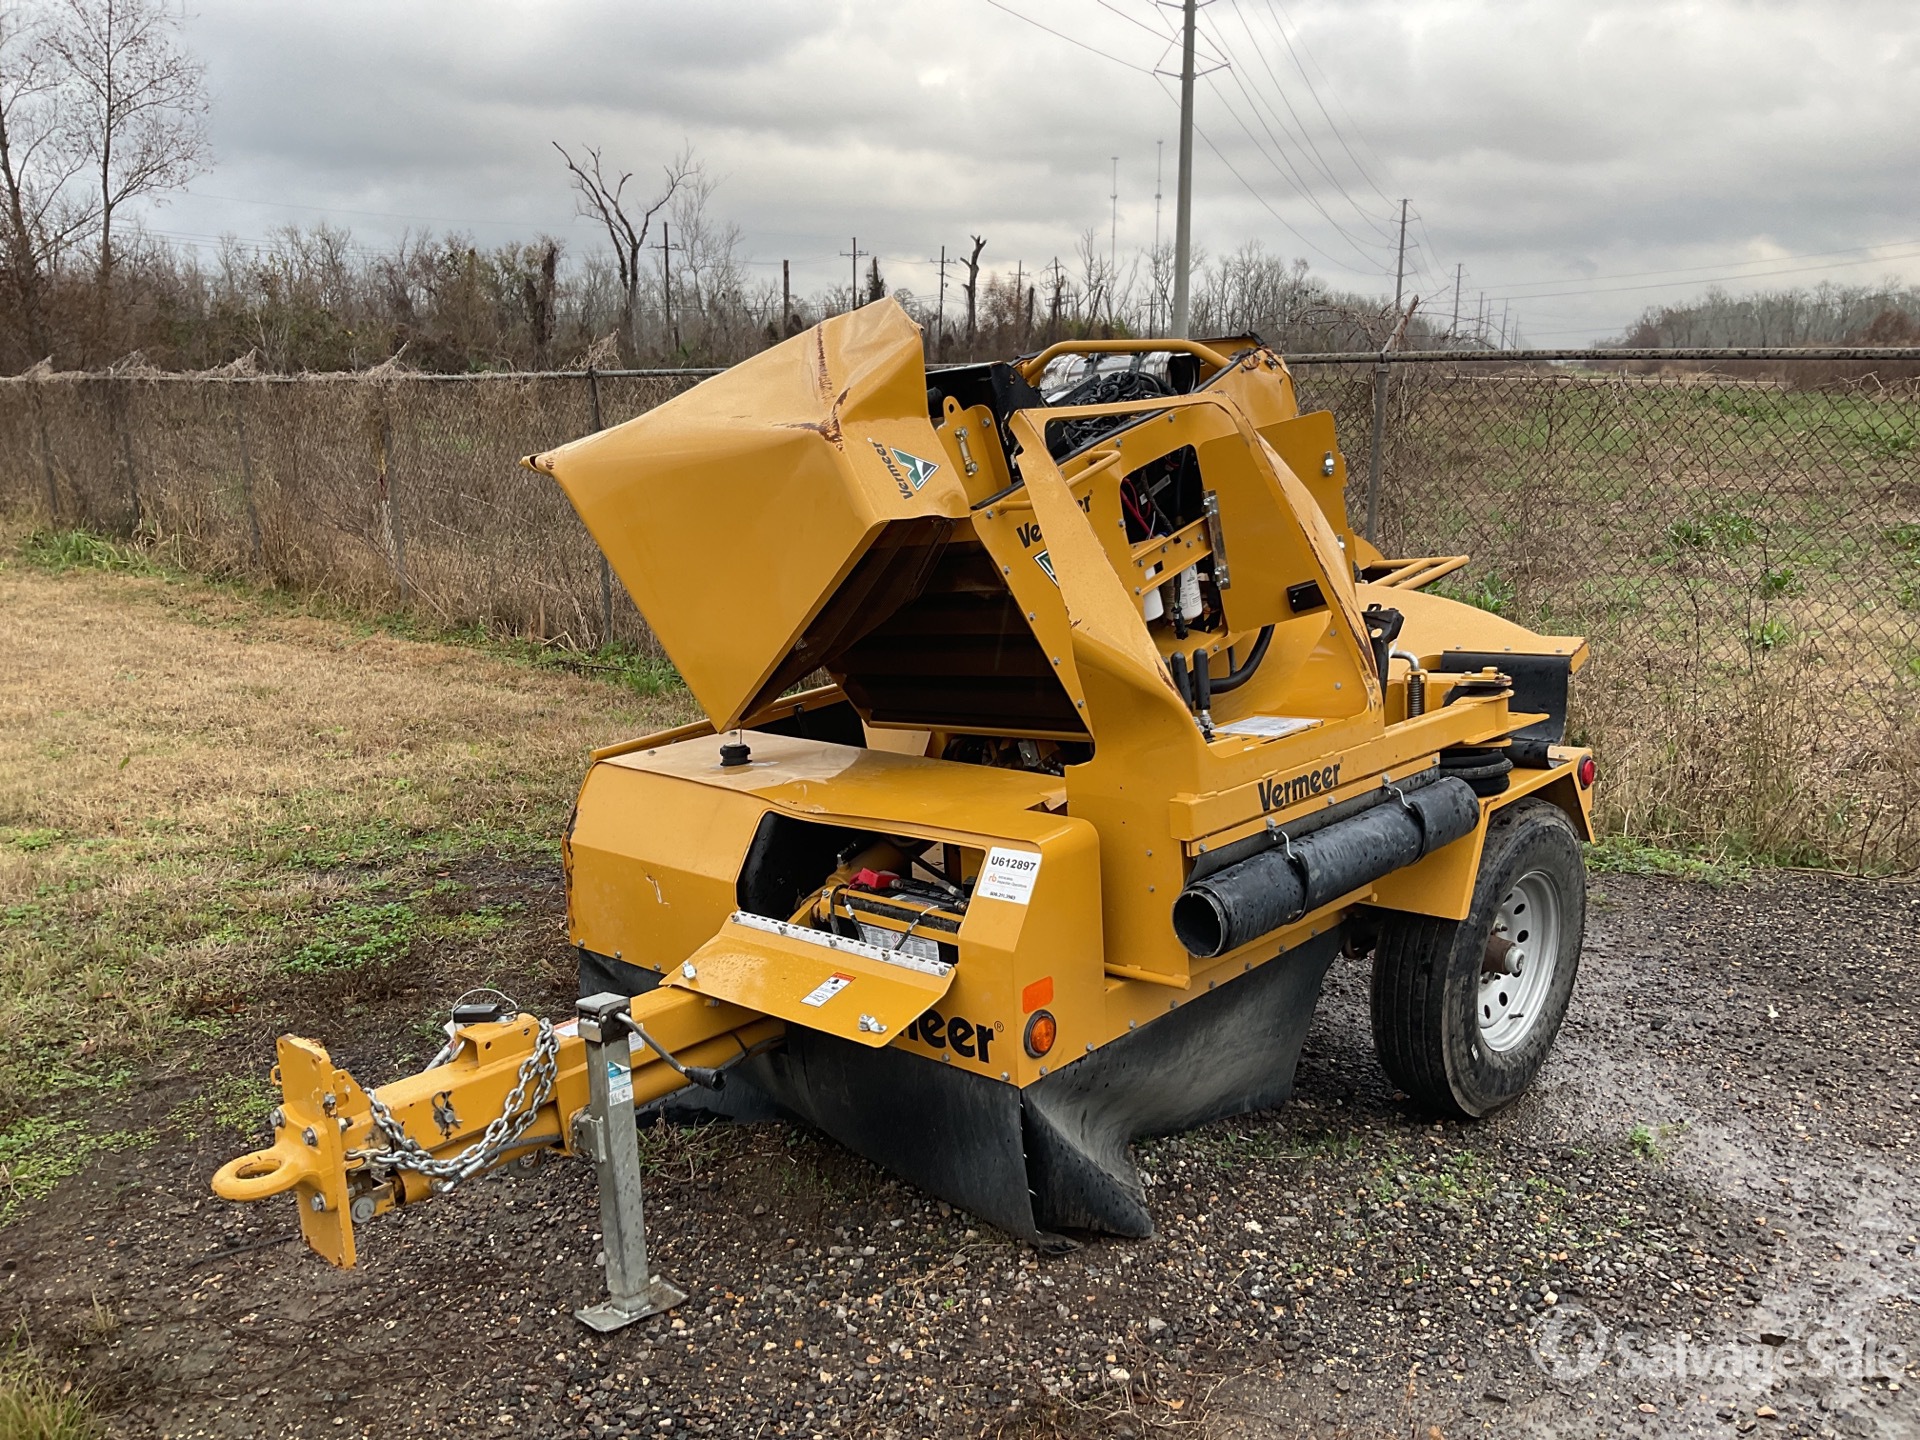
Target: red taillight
<point>1586,770</point>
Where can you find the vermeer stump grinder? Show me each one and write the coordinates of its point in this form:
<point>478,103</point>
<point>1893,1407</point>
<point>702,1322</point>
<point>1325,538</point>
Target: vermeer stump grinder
<point>1117,737</point>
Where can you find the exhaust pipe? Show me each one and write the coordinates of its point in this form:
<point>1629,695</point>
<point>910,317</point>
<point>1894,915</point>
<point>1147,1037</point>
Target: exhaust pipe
<point>1239,904</point>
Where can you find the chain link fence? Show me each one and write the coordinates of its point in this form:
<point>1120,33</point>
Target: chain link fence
<point>397,493</point>
<point>1738,534</point>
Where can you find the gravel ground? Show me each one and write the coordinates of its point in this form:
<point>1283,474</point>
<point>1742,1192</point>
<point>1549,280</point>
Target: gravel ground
<point>1701,1222</point>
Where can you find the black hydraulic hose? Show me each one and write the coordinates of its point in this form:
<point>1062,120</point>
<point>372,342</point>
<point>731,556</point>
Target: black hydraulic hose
<point>1177,667</point>
<point>1234,679</point>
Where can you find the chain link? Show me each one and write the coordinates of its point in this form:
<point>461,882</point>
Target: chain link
<point>539,1070</point>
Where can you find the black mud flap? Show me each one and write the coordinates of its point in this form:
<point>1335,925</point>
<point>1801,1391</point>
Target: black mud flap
<point>1054,1157</point>
<point>1225,1052</point>
<point>954,1134</point>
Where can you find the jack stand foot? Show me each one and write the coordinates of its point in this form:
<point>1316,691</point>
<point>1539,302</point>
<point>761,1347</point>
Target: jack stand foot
<point>608,1315</point>
<point>607,1134</point>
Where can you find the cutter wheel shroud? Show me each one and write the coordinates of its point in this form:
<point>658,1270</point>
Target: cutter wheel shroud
<point>1125,738</point>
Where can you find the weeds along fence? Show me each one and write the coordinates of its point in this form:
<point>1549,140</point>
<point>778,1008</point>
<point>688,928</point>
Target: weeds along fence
<point>1737,532</point>
<point>397,492</point>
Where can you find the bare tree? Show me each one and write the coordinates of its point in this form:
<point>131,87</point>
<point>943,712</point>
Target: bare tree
<point>537,286</point>
<point>138,104</point>
<point>38,161</point>
<point>972,287</point>
<point>603,199</point>
<point>708,276</point>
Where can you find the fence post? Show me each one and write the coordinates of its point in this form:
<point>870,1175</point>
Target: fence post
<point>1379,440</point>
<point>120,394</point>
<point>46,453</point>
<point>396,538</point>
<point>606,570</point>
<point>246,467</point>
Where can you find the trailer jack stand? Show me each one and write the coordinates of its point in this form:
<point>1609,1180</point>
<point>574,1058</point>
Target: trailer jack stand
<point>607,1135</point>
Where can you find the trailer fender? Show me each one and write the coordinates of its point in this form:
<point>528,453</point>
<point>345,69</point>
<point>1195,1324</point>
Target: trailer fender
<point>1442,884</point>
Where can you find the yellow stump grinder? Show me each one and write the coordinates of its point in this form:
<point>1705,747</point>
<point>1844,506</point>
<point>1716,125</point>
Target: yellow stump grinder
<point>1063,734</point>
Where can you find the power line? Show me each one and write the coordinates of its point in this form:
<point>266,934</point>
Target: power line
<point>1071,40</point>
<point>1277,13</point>
<point>1264,204</point>
<point>1301,130</point>
<point>1297,185</point>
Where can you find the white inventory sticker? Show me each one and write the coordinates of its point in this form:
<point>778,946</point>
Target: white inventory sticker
<point>619,1083</point>
<point>1008,875</point>
<point>826,989</point>
<point>1267,727</point>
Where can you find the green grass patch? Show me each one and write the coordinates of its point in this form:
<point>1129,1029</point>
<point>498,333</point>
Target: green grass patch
<point>1652,1141</point>
<point>235,1104</point>
<point>1492,593</point>
<point>1721,530</point>
<point>59,551</point>
<point>36,1404</point>
<point>1630,855</point>
<point>37,1152</point>
<point>356,937</point>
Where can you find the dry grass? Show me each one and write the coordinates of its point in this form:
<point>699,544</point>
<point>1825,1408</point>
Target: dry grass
<point>203,793</point>
<point>35,1404</point>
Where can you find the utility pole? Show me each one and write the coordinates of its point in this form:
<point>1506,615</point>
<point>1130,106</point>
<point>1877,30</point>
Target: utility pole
<point>1113,225</point>
<point>1505,306</point>
<point>1400,265</point>
<point>666,282</point>
<point>786,295</point>
<point>1374,455</point>
<point>1453,331</point>
<point>853,295</point>
<point>1183,204</point>
<point>1153,291</point>
<point>940,330</point>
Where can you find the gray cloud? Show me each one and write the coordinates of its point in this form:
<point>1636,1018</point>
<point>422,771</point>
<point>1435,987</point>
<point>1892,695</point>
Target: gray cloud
<point>1553,143</point>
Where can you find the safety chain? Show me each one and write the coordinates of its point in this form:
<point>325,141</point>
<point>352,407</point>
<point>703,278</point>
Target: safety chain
<point>539,1069</point>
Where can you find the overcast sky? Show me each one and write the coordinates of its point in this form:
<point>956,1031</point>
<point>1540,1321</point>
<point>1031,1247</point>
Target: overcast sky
<point>1581,160</point>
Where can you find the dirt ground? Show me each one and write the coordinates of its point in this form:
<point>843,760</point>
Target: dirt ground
<point>1702,1221</point>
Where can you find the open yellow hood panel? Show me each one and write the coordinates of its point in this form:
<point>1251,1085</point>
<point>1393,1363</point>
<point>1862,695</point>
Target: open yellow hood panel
<point>735,512</point>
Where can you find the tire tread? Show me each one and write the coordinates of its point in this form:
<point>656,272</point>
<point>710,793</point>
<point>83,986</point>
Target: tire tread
<point>1411,962</point>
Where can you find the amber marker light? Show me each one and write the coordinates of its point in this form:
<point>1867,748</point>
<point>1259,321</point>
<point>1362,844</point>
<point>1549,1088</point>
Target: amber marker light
<point>1042,1031</point>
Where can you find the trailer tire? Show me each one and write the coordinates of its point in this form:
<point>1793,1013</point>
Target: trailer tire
<point>1454,1030</point>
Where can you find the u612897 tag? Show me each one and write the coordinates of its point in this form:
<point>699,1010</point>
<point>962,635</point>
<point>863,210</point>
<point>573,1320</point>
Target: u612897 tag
<point>1008,875</point>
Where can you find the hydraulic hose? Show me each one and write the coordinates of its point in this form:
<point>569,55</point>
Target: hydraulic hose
<point>1234,679</point>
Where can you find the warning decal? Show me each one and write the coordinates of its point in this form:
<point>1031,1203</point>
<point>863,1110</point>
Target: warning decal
<point>1008,875</point>
<point>826,989</point>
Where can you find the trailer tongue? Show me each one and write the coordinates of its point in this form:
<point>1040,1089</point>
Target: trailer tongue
<point>1124,738</point>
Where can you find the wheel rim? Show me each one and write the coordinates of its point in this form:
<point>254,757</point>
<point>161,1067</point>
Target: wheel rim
<point>1523,952</point>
